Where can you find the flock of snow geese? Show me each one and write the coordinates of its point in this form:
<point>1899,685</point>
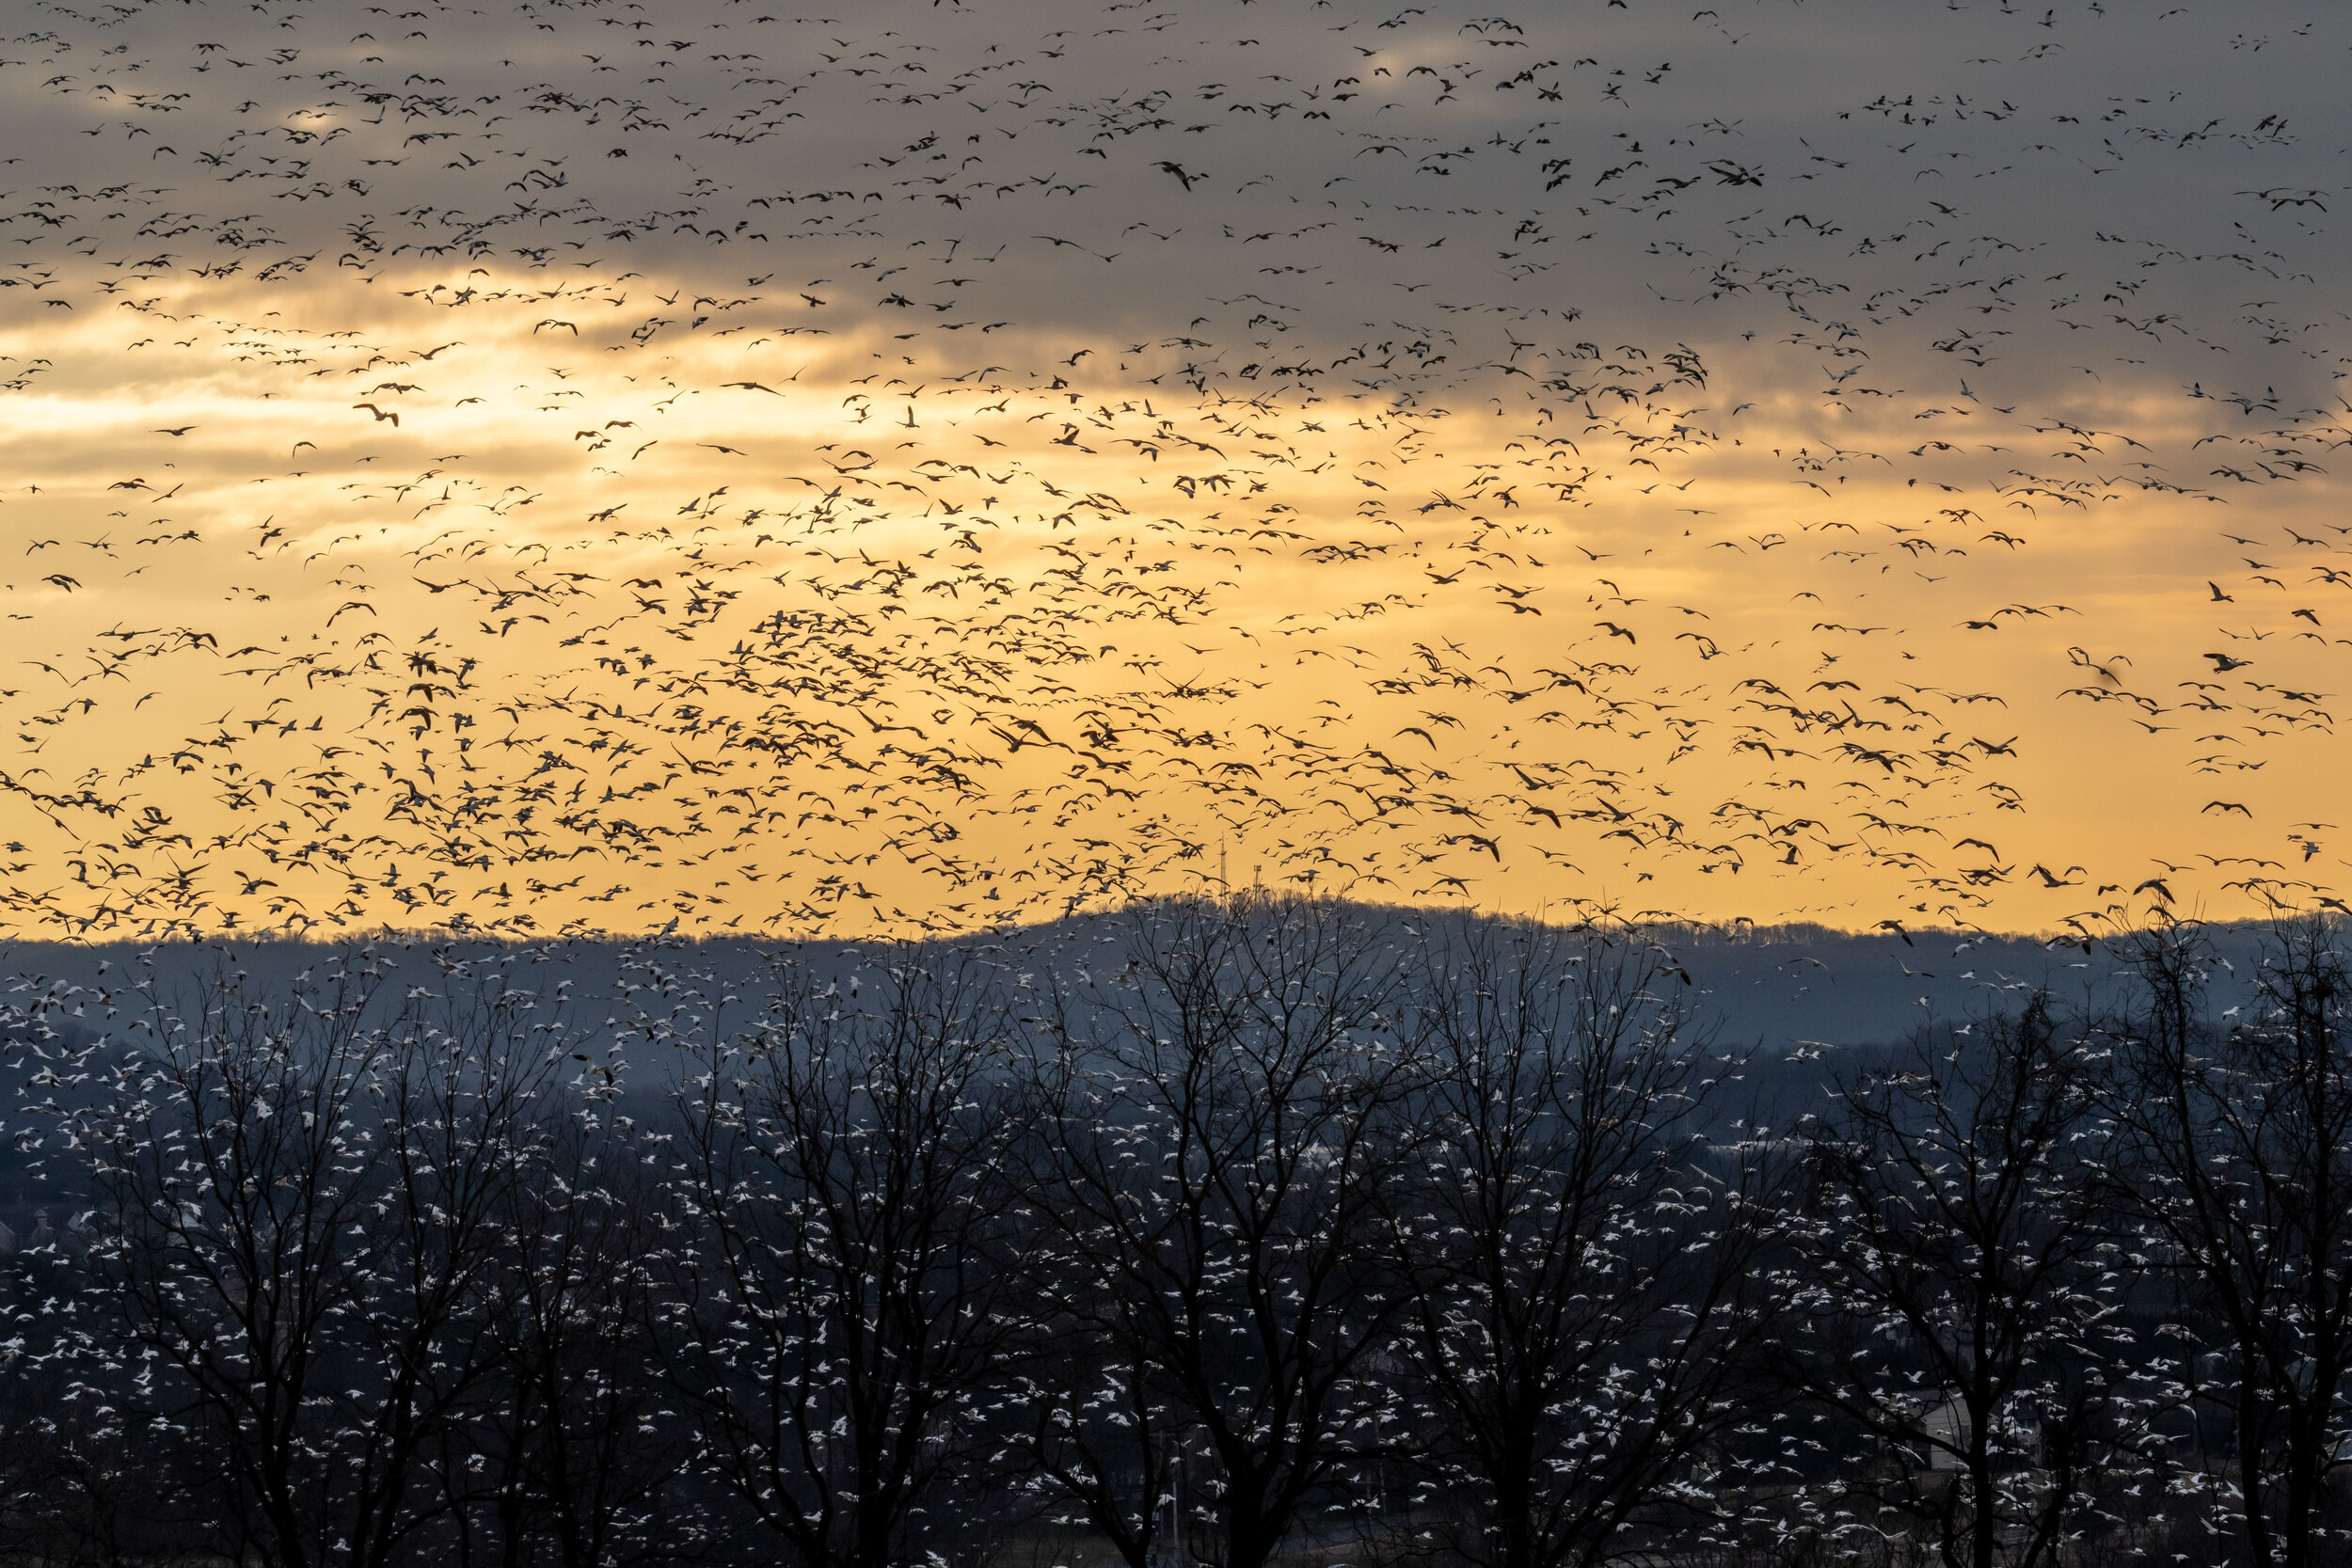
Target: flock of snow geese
<point>584,464</point>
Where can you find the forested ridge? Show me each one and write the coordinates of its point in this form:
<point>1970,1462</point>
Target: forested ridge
<point>1222,1232</point>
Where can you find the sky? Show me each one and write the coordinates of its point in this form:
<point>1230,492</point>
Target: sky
<point>608,466</point>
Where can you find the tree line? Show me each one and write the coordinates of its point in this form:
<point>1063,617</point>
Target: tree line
<point>1227,1234</point>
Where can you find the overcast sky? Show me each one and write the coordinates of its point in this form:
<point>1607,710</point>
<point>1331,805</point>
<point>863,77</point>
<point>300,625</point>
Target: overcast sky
<point>607,464</point>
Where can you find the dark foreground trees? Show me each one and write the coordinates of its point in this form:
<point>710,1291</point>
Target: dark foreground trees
<point>1949,1240</point>
<point>1227,1141</point>
<point>297,1208</point>
<point>842,1280</point>
<point>1225,1234</point>
<point>2238,1145</point>
<point>343,1283</point>
<point>1582,1308</point>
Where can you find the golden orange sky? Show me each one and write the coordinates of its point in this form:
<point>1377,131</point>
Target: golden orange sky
<point>874,512</point>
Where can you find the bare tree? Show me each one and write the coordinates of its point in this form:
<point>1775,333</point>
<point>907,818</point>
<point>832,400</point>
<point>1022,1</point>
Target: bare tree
<point>2239,1149</point>
<point>1101,1441</point>
<point>1227,1133</point>
<point>572,1456</point>
<point>1955,1299</point>
<point>838,1292</point>
<point>296,1201</point>
<point>1581,1324</point>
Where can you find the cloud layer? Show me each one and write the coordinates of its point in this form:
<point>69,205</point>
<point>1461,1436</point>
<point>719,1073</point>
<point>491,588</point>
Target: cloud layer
<point>600,465</point>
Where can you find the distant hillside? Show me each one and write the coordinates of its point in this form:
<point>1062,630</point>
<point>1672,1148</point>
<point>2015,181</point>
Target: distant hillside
<point>1803,1004</point>
<point>1776,988</point>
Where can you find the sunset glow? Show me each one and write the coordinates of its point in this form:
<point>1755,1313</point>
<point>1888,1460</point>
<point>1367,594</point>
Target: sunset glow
<point>595,466</point>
